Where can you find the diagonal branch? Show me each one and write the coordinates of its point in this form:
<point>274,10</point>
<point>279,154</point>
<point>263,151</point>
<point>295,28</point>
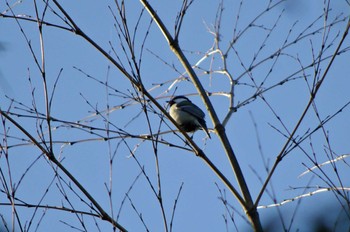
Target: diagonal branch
<point>219,129</point>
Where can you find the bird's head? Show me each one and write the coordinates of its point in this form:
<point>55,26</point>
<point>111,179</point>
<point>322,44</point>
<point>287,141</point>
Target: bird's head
<point>178,99</point>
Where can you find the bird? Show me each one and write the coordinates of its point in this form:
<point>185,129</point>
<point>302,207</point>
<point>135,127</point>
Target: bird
<point>189,116</point>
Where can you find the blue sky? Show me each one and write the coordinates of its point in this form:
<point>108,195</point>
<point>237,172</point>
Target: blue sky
<point>77,94</point>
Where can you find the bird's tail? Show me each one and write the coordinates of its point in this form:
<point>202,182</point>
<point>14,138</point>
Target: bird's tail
<point>205,128</point>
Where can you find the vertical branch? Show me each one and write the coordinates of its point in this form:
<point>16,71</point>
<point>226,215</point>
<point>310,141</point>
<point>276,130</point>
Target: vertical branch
<point>43,70</point>
<point>180,17</point>
<point>111,155</point>
<point>175,204</point>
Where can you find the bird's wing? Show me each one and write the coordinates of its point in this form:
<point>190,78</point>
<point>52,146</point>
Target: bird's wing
<point>196,112</point>
<point>192,109</point>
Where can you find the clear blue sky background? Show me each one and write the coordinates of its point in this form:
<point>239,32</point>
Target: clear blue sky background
<point>198,207</point>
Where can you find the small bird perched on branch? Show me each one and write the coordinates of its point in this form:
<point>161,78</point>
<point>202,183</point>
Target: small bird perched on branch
<point>189,116</point>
